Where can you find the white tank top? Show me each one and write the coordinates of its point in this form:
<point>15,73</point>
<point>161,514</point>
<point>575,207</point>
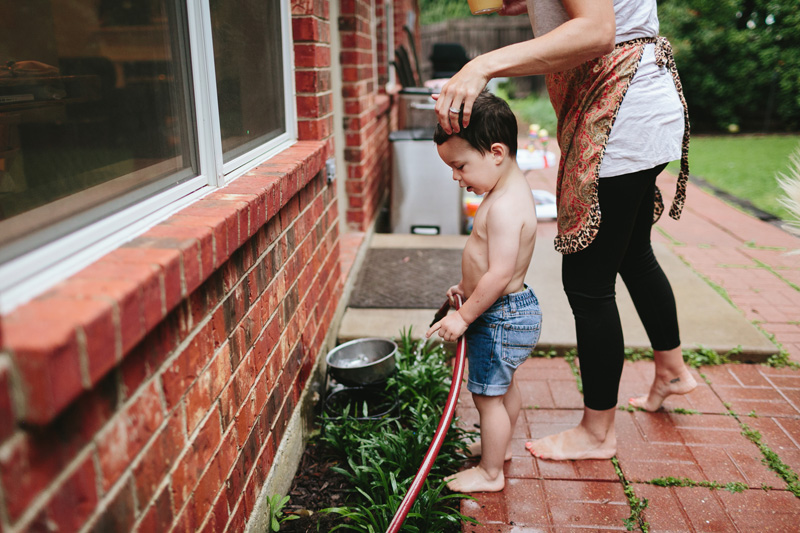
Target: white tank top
<point>648,130</point>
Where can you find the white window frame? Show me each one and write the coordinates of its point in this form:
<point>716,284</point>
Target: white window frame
<point>28,275</point>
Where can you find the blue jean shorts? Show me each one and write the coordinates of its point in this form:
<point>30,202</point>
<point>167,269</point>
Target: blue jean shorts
<point>500,340</point>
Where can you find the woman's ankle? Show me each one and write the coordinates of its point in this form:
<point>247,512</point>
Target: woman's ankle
<point>599,424</point>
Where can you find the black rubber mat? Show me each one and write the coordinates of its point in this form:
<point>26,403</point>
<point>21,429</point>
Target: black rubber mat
<point>406,278</point>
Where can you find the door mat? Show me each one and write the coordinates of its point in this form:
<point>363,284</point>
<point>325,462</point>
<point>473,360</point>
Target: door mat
<point>406,278</point>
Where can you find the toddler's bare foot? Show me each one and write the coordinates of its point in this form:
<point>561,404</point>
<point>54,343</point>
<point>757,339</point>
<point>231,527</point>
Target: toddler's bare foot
<point>475,479</point>
<point>663,387</point>
<point>474,450</point>
<point>575,443</point>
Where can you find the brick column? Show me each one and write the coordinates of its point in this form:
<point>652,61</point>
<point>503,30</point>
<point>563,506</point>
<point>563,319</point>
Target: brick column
<point>366,120</point>
<point>312,53</point>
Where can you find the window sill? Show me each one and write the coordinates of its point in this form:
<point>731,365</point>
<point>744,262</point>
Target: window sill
<point>63,342</point>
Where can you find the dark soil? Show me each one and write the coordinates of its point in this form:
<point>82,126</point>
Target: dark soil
<point>315,487</point>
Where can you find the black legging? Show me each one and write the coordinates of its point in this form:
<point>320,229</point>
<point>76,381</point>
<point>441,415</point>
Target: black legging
<point>622,246</point>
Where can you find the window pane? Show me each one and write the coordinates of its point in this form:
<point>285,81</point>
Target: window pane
<point>248,60</point>
<point>93,108</point>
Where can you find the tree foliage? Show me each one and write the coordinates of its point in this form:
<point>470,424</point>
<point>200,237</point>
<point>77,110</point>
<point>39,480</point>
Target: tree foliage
<point>739,61</point>
<point>432,11</point>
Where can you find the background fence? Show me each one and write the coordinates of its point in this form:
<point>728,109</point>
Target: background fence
<point>478,35</point>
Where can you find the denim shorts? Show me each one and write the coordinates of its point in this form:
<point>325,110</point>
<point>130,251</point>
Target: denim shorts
<point>500,340</point>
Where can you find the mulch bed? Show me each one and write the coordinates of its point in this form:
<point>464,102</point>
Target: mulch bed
<point>315,487</point>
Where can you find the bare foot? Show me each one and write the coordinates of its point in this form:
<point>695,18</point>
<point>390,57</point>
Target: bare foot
<point>475,479</point>
<point>474,450</point>
<point>663,387</point>
<point>575,443</point>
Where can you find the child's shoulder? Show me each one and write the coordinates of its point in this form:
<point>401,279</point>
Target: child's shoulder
<point>517,197</point>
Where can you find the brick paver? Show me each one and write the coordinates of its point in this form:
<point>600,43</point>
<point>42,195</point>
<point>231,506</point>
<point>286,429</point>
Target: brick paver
<point>697,437</point>
<point>702,444</point>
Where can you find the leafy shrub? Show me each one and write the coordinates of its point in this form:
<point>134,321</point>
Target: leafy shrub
<point>739,61</point>
<point>380,457</point>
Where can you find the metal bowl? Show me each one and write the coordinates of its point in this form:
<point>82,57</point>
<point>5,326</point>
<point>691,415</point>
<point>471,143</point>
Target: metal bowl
<point>362,361</point>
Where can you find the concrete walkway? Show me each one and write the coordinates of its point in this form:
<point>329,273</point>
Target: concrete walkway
<point>740,428</point>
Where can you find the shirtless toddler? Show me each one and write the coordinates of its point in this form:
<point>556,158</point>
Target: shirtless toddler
<point>500,315</point>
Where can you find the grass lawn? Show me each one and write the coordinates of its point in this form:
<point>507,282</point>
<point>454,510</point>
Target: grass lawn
<point>746,166</point>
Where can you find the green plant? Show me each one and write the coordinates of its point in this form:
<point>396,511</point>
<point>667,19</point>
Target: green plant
<point>702,356</point>
<point>790,185</point>
<point>781,360</point>
<point>531,109</point>
<point>276,503</point>
<point>637,505</point>
<point>773,461</point>
<point>695,358</point>
<point>569,357</point>
<point>738,61</point>
<point>379,458</point>
<point>732,487</point>
<point>432,11</point>
<point>682,411</point>
<point>634,354</point>
<point>549,354</point>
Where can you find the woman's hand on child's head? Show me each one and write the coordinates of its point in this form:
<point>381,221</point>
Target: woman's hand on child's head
<point>458,94</point>
<point>450,328</point>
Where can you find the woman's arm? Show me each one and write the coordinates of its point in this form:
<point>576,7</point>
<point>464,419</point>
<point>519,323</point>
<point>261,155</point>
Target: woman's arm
<point>589,33</point>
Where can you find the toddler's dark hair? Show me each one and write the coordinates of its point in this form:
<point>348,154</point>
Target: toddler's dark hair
<point>492,121</point>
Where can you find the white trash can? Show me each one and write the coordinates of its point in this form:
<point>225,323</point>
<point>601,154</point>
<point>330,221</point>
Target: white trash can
<point>425,199</point>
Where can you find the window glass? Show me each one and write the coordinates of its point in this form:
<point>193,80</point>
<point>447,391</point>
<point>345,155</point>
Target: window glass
<point>95,102</point>
<point>248,59</point>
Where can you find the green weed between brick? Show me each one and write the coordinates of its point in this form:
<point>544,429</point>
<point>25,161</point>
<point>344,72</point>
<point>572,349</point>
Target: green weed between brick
<point>717,288</point>
<point>700,356</point>
<point>682,411</point>
<point>696,358</point>
<point>380,457</point>
<point>772,460</point>
<point>637,505</point>
<point>772,270</point>
<point>781,359</point>
<point>673,240</point>
<point>733,486</point>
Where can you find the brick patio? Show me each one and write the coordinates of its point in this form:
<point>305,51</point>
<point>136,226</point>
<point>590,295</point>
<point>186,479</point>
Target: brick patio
<point>747,260</point>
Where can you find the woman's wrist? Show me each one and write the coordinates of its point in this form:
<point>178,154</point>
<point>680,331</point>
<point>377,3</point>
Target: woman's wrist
<point>483,68</point>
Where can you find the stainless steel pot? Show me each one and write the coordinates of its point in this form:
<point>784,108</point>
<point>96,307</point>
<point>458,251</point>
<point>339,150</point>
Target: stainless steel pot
<point>362,361</point>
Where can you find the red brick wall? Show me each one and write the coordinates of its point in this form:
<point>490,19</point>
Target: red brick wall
<point>312,58</point>
<point>367,117</point>
<point>157,383</point>
<point>152,389</point>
